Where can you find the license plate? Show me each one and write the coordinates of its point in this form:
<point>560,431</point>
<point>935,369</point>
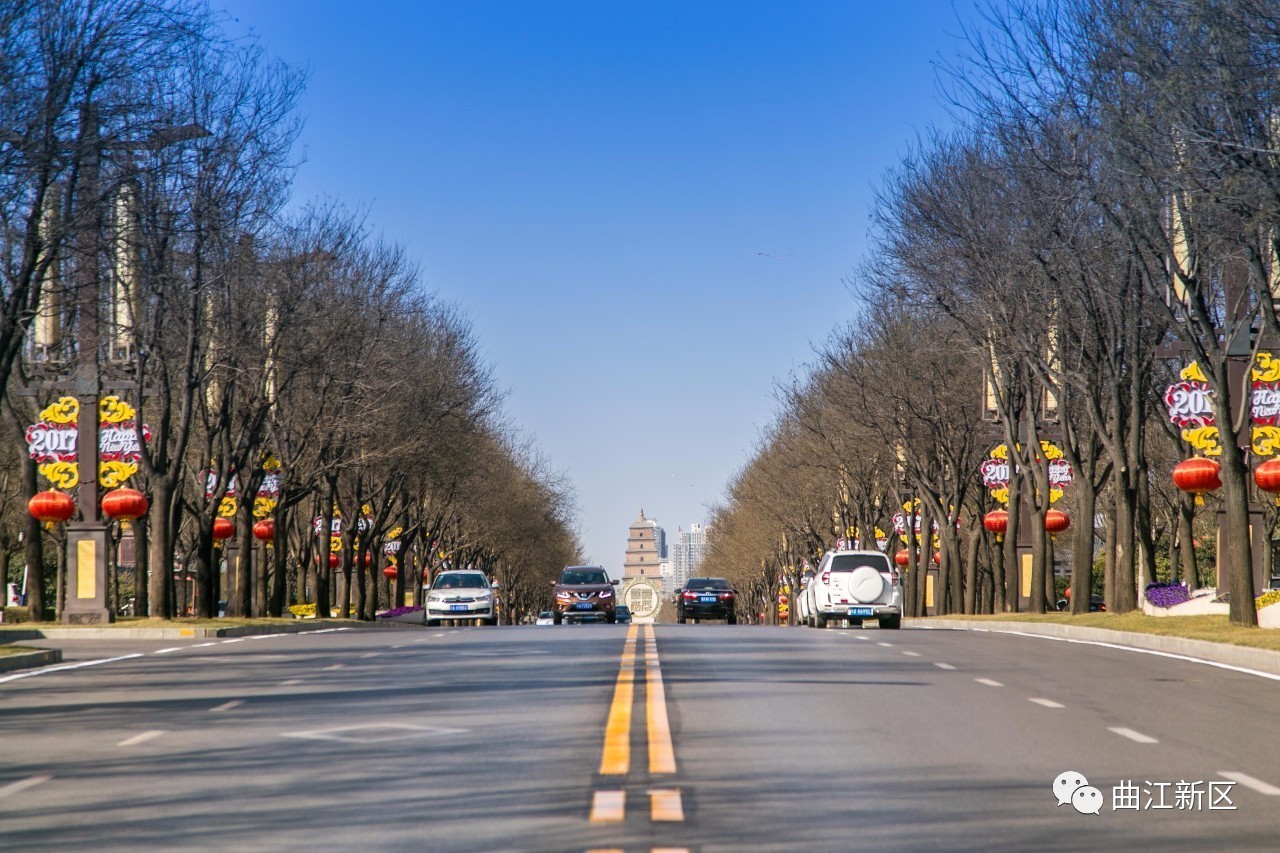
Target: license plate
<point>584,605</point>
<point>707,599</point>
<point>861,611</point>
<point>462,607</point>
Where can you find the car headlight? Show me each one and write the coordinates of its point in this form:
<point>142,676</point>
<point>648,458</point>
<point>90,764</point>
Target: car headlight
<point>606,593</point>
<point>484,596</point>
<point>435,596</point>
<point>563,596</point>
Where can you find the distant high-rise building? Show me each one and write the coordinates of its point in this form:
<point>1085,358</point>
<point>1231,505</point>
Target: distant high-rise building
<point>643,554</point>
<point>667,568</point>
<point>687,552</point>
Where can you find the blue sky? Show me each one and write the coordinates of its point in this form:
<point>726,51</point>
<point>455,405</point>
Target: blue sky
<point>646,209</point>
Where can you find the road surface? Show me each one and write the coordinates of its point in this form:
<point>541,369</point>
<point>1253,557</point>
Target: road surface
<point>643,738</point>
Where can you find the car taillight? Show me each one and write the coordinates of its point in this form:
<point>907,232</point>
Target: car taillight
<point>726,595</point>
<point>894,578</point>
<point>689,596</point>
<point>826,577</point>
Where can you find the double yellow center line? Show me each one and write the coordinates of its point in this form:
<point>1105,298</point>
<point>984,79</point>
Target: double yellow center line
<point>608,806</point>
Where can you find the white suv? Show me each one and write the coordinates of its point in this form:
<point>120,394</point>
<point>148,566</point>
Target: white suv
<point>855,585</point>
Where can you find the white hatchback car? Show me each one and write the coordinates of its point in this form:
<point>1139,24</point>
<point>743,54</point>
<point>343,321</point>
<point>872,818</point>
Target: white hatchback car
<point>855,585</point>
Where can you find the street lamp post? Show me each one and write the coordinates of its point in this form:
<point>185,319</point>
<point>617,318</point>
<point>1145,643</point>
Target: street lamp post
<point>88,536</point>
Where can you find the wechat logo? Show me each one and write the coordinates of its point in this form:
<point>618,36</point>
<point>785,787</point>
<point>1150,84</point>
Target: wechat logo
<point>1072,788</point>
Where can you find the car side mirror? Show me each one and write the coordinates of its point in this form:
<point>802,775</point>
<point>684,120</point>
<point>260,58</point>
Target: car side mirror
<point>615,581</point>
<point>495,585</point>
<point>553,583</point>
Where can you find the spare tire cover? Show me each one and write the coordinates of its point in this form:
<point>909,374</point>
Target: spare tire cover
<point>866,584</point>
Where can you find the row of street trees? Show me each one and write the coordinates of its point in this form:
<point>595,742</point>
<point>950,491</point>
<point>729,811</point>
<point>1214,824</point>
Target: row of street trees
<point>288,364</point>
<point>1108,214</point>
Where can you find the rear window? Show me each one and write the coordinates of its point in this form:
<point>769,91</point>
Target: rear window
<point>849,562</point>
<point>706,583</point>
<point>580,577</point>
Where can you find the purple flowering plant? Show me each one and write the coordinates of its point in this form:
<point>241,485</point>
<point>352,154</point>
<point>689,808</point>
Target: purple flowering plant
<point>1166,594</point>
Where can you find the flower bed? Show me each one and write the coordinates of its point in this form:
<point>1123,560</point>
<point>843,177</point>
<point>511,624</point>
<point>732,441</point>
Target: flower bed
<point>1166,594</point>
<point>398,611</point>
<point>303,611</point>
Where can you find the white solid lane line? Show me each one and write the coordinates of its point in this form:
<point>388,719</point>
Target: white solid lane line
<point>170,649</point>
<point>142,738</point>
<point>1136,737</point>
<point>1250,782</point>
<point>22,785</point>
<point>1048,703</point>
<point>943,665</point>
<point>989,682</point>
<point>227,706</point>
<point>32,673</point>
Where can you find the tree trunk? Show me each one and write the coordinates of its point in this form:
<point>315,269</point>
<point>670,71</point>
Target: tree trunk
<point>161,560</point>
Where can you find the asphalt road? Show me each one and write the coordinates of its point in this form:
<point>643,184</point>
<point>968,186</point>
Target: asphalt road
<point>596,737</point>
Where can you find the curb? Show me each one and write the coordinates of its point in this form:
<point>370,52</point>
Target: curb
<point>29,660</point>
<point>1263,660</point>
<point>175,633</point>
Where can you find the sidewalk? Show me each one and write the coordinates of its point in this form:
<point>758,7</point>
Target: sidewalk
<point>1262,660</point>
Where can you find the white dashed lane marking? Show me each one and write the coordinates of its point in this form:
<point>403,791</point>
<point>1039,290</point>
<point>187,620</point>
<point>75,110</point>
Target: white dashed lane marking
<point>1250,782</point>
<point>912,654</point>
<point>943,665</point>
<point>22,785</point>
<point>886,645</point>
<point>227,706</point>
<point>1048,703</point>
<point>142,738</point>
<point>1136,737</point>
<point>990,682</point>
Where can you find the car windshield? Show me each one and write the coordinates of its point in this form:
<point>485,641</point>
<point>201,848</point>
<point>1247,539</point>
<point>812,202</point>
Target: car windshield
<point>581,577</point>
<point>545,614</point>
<point>460,581</point>
<point>706,583</point>
<point>849,562</point>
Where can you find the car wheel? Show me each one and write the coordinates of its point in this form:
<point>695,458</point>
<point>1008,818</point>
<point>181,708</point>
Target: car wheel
<point>556,618</point>
<point>891,622</point>
<point>680,618</point>
<point>732,620</point>
<point>855,623</point>
<point>433,623</point>
<point>819,621</point>
<point>611,618</point>
<point>492,621</point>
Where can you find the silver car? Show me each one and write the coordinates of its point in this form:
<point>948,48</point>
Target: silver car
<point>462,594</point>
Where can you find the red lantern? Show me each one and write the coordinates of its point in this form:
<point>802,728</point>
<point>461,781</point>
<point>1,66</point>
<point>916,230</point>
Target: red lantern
<point>1268,476</point>
<point>223,528</point>
<point>901,558</point>
<point>996,521</point>
<point>1197,475</point>
<point>334,560</point>
<point>51,507</point>
<point>1056,521</point>
<point>390,573</point>
<point>368,559</point>
<point>124,504</point>
<point>937,558</point>
<point>265,530</point>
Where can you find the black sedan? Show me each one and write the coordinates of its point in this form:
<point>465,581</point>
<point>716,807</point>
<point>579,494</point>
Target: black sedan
<point>706,598</point>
